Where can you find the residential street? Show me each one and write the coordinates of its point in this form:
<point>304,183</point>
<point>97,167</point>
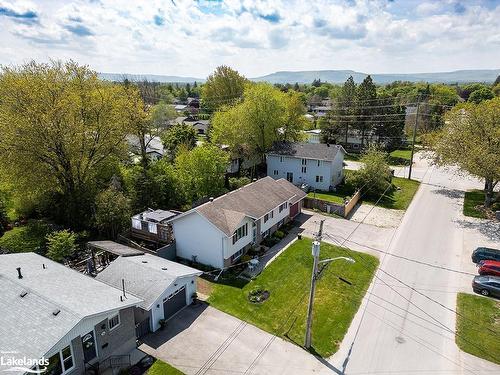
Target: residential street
<point>402,331</point>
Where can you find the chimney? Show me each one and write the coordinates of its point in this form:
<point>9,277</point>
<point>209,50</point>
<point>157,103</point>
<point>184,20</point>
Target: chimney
<point>19,274</point>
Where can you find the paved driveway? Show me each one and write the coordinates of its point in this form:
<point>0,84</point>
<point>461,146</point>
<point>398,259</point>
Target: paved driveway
<point>204,340</point>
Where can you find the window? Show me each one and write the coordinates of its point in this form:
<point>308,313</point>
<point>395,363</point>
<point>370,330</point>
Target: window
<point>281,159</point>
<point>240,232</point>
<point>304,161</point>
<point>275,172</point>
<point>289,177</point>
<point>266,218</point>
<point>319,163</point>
<point>319,178</point>
<point>272,214</point>
<point>113,322</point>
<point>266,233</point>
<point>304,169</point>
<point>283,206</point>
<point>61,362</point>
<point>236,255</point>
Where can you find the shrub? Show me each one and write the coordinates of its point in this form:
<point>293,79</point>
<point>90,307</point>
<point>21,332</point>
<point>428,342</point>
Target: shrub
<point>236,183</point>
<point>279,234</point>
<point>60,245</point>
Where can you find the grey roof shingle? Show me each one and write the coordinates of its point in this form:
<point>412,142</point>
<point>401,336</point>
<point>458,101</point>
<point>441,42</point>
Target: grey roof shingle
<point>318,151</point>
<point>27,324</point>
<point>253,200</point>
<point>115,248</point>
<point>146,276</point>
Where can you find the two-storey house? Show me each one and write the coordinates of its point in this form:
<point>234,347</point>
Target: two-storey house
<point>319,165</point>
<point>220,231</point>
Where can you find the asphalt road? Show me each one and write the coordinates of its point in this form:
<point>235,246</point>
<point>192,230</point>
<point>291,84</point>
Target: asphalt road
<point>399,329</point>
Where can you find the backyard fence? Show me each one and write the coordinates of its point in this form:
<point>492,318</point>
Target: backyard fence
<point>332,208</point>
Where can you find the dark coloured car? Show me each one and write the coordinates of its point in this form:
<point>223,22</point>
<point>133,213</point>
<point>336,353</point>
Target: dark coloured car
<point>485,253</point>
<point>489,267</point>
<point>487,285</point>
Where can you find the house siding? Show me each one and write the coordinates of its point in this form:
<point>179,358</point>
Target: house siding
<point>327,169</point>
<point>195,236</point>
<point>118,341</point>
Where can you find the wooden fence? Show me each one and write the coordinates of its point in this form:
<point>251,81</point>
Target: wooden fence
<point>332,208</point>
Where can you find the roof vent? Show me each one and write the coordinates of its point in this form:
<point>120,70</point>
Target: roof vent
<point>19,274</point>
<point>23,294</point>
<point>56,312</point>
<point>164,268</point>
<point>211,199</point>
<point>144,261</point>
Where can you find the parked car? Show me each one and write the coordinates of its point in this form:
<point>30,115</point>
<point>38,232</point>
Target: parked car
<point>485,253</point>
<point>487,285</point>
<point>489,267</point>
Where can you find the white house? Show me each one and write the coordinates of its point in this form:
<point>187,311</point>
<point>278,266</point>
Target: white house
<point>219,232</point>
<point>313,135</point>
<point>164,287</point>
<point>319,165</point>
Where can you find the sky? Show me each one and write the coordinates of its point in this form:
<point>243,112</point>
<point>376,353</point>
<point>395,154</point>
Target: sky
<point>191,38</point>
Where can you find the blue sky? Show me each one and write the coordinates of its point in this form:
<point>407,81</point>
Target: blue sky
<point>188,37</point>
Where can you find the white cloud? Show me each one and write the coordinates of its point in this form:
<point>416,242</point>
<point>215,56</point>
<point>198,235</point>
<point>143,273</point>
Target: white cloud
<point>256,37</point>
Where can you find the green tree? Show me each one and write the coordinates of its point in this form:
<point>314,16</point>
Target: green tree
<point>113,212</point>
<point>223,87</point>
<point>201,171</point>
<point>60,126</point>
<point>236,183</point>
<point>366,94</point>
<point>480,95</point>
<point>161,114</point>
<point>177,135</point>
<point>374,176</point>
<point>266,115</point>
<point>60,245</point>
<point>470,140</point>
<point>4,219</point>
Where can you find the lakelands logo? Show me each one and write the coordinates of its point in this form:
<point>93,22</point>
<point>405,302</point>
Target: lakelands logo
<point>15,363</point>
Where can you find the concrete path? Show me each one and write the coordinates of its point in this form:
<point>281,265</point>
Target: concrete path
<point>204,340</point>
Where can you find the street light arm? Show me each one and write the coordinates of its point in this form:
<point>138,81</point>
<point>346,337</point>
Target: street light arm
<point>350,260</point>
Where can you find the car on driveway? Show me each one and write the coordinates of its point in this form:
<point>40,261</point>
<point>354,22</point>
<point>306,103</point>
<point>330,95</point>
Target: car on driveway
<point>485,253</point>
<point>489,267</point>
<point>487,285</point>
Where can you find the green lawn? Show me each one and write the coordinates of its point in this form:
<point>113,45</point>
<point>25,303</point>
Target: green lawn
<point>473,199</point>
<point>162,368</point>
<point>397,199</point>
<point>288,281</point>
<point>394,199</point>
<point>26,238</point>
<point>486,313</point>
<point>400,157</point>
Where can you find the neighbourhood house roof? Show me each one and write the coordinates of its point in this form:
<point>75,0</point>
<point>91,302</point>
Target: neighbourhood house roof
<point>253,200</point>
<point>57,298</point>
<point>157,216</point>
<point>146,276</point>
<point>115,248</point>
<point>319,151</point>
<point>153,143</point>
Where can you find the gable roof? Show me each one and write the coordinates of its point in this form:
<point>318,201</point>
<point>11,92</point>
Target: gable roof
<point>49,287</point>
<point>146,276</point>
<point>318,151</point>
<point>253,200</point>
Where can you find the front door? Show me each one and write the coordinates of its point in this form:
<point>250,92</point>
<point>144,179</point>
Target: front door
<point>289,176</point>
<point>89,347</point>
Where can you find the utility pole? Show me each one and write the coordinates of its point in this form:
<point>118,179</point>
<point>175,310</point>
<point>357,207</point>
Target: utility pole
<point>414,137</point>
<point>315,254</point>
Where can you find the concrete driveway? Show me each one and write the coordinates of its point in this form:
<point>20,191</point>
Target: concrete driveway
<point>204,340</point>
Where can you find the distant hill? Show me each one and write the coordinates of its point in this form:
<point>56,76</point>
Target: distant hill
<point>332,76</point>
<point>340,76</point>
<point>117,77</point>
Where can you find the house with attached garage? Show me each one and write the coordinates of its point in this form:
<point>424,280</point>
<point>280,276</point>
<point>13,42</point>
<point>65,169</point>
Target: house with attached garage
<point>319,165</point>
<point>165,287</point>
<point>220,231</point>
<point>49,311</point>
